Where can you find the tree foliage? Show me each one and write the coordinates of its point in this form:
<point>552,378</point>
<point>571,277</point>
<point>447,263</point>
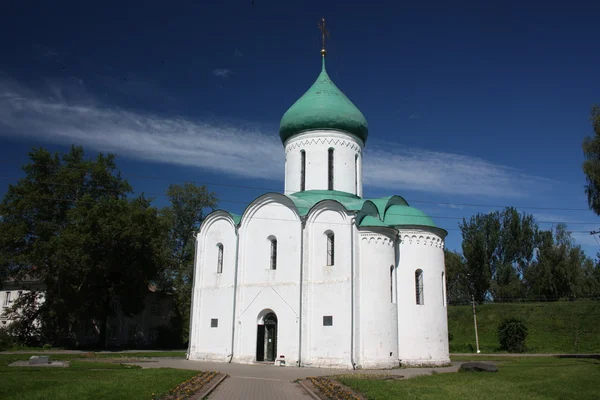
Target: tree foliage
<point>591,165</point>
<point>561,269</point>
<point>458,285</point>
<point>69,223</point>
<point>189,204</point>
<point>506,257</point>
<point>498,247</point>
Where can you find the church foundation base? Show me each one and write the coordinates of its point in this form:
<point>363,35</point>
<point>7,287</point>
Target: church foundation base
<point>426,363</point>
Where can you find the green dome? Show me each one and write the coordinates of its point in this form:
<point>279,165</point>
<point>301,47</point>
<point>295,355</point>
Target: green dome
<point>323,106</point>
<point>405,215</point>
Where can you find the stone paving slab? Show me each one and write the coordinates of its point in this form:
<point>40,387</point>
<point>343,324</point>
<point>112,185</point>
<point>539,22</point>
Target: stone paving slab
<point>258,389</point>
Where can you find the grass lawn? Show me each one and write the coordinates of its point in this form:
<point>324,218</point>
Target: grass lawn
<point>554,327</point>
<point>518,378</point>
<point>85,380</point>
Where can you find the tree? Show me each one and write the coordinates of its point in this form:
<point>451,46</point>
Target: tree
<point>189,204</point>
<point>591,165</point>
<point>69,223</point>
<point>498,248</point>
<point>458,286</point>
<point>561,269</point>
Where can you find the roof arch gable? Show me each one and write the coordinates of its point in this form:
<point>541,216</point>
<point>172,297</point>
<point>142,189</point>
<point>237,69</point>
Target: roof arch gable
<point>215,216</point>
<point>265,199</point>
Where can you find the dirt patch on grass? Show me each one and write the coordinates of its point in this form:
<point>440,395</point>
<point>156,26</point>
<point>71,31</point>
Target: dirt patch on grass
<point>195,388</point>
<point>330,389</point>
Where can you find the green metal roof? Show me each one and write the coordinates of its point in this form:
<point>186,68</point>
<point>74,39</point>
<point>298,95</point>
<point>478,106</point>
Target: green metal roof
<point>236,218</point>
<point>305,200</point>
<point>383,203</point>
<point>392,211</point>
<point>405,215</point>
<point>323,106</point>
<point>370,220</point>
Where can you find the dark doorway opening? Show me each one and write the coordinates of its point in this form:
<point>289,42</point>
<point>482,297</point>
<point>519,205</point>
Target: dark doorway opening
<point>266,339</point>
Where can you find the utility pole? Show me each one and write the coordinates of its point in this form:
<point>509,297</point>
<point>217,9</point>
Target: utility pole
<point>475,323</point>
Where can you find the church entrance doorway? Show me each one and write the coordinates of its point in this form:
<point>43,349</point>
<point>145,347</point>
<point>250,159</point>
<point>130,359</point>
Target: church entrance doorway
<point>266,339</point>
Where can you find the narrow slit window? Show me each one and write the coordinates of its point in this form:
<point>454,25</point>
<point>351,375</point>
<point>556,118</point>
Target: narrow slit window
<point>444,289</point>
<point>356,174</point>
<point>393,283</point>
<point>330,169</point>
<point>220,258</point>
<point>419,286</point>
<point>330,248</point>
<point>302,170</point>
<point>328,320</point>
<point>273,253</point>
<point>214,322</point>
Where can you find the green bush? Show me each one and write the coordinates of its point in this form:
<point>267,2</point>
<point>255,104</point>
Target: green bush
<point>6,339</point>
<point>512,333</point>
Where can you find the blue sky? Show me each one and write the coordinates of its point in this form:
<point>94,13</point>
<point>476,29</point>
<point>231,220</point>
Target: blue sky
<point>467,102</point>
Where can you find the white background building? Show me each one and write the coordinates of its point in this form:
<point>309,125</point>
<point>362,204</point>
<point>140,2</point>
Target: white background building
<point>319,276</point>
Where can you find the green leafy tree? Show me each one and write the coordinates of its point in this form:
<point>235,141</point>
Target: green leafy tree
<point>498,247</point>
<point>189,206</point>
<point>69,223</point>
<point>591,165</point>
<point>458,285</point>
<point>561,269</point>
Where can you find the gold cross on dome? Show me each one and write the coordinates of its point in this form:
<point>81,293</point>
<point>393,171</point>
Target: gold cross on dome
<point>324,34</point>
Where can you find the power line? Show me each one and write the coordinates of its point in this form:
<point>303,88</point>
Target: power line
<point>277,190</point>
<point>273,219</point>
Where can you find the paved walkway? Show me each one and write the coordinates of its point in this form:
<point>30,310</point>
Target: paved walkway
<point>258,388</point>
<point>264,381</point>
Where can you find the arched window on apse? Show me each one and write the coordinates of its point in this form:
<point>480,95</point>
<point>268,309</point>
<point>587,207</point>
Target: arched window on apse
<point>220,258</point>
<point>330,248</point>
<point>393,284</point>
<point>273,253</point>
<point>444,289</point>
<point>419,286</point>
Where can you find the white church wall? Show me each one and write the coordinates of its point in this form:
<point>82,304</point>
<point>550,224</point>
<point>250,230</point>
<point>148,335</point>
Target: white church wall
<point>326,290</point>
<point>377,307</point>
<point>347,163</point>
<point>422,329</point>
<point>261,289</point>
<point>213,291</point>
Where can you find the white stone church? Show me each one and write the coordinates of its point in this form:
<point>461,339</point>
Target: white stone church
<point>320,276</point>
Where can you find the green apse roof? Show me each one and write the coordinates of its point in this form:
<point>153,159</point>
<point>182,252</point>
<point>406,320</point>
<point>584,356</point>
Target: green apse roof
<point>323,106</point>
<point>405,215</point>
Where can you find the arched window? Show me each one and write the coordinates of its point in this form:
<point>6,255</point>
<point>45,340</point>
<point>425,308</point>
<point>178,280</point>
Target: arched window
<point>419,286</point>
<point>443,289</point>
<point>302,170</point>
<point>356,174</point>
<point>220,258</point>
<point>330,248</point>
<point>393,284</point>
<point>330,169</point>
<point>273,253</point>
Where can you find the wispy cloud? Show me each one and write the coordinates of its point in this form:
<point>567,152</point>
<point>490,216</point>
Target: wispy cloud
<point>67,117</point>
<point>223,73</point>
<point>394,166</point>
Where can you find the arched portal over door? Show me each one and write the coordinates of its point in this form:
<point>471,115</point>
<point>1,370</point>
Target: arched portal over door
<point>266,338</point>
